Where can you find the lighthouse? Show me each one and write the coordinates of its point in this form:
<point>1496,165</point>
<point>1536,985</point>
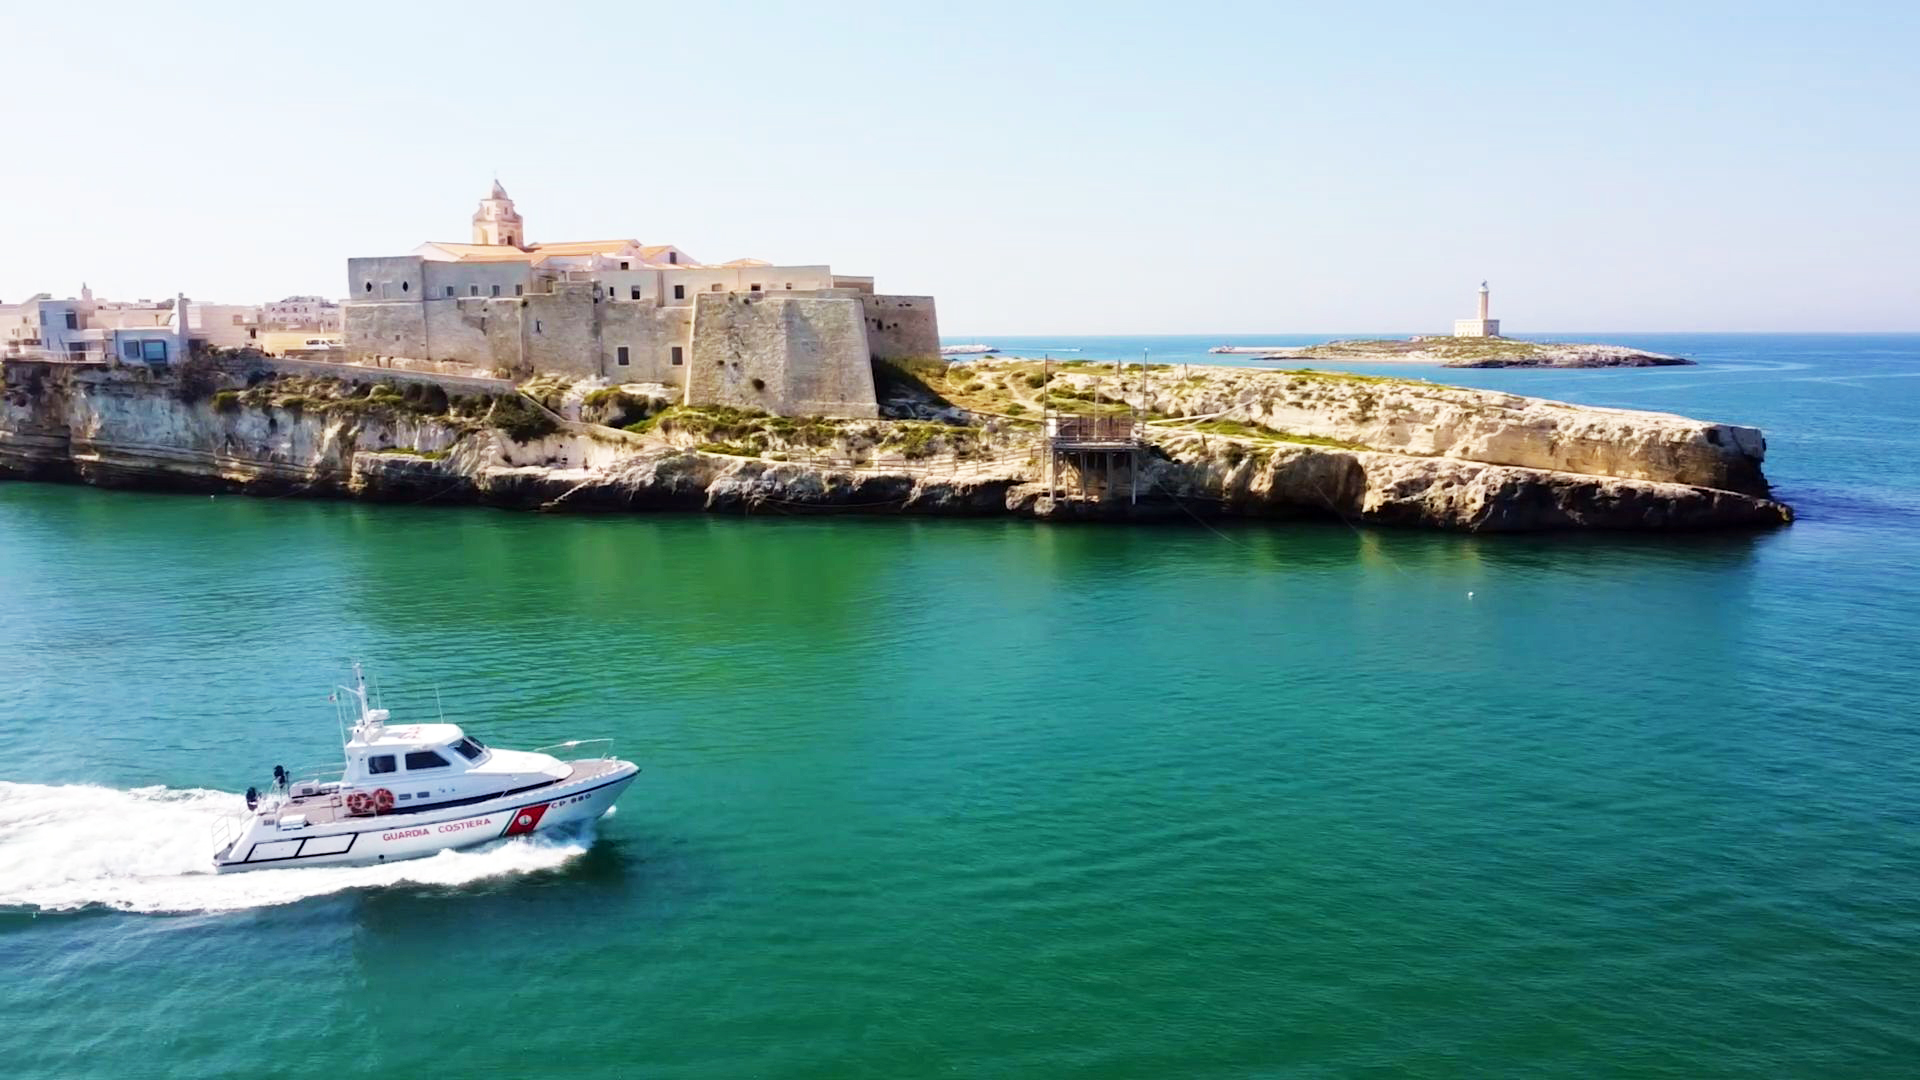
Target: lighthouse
<point>1479,326</point>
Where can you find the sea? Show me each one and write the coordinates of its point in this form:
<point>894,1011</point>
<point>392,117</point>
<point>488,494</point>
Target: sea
<point>927,797</point>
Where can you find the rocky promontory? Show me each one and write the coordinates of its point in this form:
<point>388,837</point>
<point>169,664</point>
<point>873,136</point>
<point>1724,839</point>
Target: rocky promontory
<point>956,439</point>
<point>1467,352</point>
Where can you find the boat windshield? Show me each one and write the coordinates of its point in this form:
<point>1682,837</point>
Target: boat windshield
<point>470,748</point>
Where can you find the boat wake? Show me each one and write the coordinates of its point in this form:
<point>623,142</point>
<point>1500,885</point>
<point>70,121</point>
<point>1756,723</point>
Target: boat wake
<point>149,850</point>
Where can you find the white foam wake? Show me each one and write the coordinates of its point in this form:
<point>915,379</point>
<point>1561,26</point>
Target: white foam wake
<point>151,850</point>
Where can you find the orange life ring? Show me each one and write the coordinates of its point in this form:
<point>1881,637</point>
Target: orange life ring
<point>383,801</point>
<point>359,804</point>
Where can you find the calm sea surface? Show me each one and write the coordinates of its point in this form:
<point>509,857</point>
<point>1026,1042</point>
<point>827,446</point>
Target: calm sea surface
<point>992,799</point>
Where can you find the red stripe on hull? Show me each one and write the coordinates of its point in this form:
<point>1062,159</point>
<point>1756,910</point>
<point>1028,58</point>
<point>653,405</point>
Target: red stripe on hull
<point>525,820</point>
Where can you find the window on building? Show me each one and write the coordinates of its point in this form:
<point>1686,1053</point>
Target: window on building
<point>716,286</point>
<point>380,763</point>
<point>239,320</point>
<point>673,257</point>
<point>536,326</point>
<point>405,286</point>
<point>473,290</point>
<point>369,286</point>
<point>153,352</point>
<point>449,290</point>
<point>130,349</point>
<point>679,292</point>
<point>496,290</point>
<point>73,321</point>
<point>678,356</point>
<point>519,290</point>
<point>635,292</point>
<point>623,266</point>
<point>755,287</point>
<point>789,284</point>
<point>620,356</point>
<point>425,759</point>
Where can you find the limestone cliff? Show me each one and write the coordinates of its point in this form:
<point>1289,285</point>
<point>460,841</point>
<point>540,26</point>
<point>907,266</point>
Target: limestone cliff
<point>1431,456</point>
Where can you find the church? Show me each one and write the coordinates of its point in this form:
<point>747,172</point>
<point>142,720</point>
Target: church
<point>790,340</point>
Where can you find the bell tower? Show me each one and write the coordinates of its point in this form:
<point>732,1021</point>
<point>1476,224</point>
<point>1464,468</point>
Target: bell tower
<point>497,222</point>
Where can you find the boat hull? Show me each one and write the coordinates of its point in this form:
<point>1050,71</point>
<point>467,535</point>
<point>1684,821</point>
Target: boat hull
<point>363,841</point>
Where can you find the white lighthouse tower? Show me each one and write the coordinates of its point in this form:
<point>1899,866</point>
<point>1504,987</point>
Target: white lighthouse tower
<point>1480,326</point>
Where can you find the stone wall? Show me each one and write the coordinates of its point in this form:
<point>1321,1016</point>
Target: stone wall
<point>902,327</point>
<point>787,355</point>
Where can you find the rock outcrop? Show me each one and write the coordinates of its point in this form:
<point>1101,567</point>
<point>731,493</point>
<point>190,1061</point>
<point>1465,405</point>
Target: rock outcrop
<point>1406,454</point>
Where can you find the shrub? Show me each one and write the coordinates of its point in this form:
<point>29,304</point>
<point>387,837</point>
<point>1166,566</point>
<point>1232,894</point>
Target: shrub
<point>198,379</point>
<point>519,419</point>
<point>226,400</point>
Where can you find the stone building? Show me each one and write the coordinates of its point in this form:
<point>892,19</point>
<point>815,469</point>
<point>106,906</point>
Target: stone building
<point>792,340</point>
<point>301,313</point>
<point>1481,326</point>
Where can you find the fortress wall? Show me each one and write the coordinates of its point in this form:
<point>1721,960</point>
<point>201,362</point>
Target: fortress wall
<point>385,277</point>
<point>788,355</point>
<point>563,329</point>
<point>396,329</point>
<point>902,327</point>
<point>475,280</point>
<point>650,335</point>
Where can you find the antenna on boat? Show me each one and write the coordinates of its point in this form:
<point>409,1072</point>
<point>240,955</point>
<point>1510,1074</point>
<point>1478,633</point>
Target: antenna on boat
<point>437,706</point>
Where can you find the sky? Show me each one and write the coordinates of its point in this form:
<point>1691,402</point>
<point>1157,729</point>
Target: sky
<point>1098,168</point>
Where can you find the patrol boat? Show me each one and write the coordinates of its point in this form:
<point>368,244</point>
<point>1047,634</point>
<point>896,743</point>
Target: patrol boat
<point>413,790</point>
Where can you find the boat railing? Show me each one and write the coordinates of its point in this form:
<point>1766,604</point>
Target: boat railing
<point>572,748</point>
<point>227,828</point>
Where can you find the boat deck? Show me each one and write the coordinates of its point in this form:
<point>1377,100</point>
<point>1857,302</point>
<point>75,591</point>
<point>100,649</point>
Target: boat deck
<point>329,808</point>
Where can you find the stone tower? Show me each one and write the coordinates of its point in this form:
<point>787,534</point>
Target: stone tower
<point>497,222</point>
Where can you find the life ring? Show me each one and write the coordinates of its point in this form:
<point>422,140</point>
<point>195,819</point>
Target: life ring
<point>359,804</point>
<point>383,801</point>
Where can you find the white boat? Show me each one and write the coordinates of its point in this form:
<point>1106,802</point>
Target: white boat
<point>413,790</point>
<point>968,350</point>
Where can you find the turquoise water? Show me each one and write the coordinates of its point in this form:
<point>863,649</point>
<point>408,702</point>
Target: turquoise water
<point>993,798</point>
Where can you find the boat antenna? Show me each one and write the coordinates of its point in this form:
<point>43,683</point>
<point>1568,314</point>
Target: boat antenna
<point>437,706</point>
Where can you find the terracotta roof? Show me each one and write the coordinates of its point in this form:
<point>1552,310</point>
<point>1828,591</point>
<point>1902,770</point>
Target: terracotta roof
<point>584,247</point>
<point>747,262</point>
<point>482,252</point>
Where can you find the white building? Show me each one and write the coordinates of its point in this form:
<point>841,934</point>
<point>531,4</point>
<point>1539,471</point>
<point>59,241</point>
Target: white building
<point>103,331</point>
<point>1481,326</point>
<point>301,313</point>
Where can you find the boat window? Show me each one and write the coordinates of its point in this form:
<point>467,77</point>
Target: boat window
<point>425,759</point>
<point>380,763</point>
<point>469,749</point>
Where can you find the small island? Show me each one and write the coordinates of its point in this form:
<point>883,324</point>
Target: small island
<point>1475,343</point>
<point>1478,352</point>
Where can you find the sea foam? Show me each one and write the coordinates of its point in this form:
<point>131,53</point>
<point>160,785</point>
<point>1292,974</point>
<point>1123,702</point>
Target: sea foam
<point>150,849</point>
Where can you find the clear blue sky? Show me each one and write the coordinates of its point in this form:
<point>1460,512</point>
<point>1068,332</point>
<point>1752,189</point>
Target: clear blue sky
<point>1090,168</point>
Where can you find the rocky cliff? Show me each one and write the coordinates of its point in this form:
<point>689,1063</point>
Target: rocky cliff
<point>1275,446</point>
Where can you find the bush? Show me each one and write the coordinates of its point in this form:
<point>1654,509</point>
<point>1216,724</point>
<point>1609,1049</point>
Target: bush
<point>519,419</point>
<point>226,400</point>
<point>1035,380</point>
<point>198,379</point>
